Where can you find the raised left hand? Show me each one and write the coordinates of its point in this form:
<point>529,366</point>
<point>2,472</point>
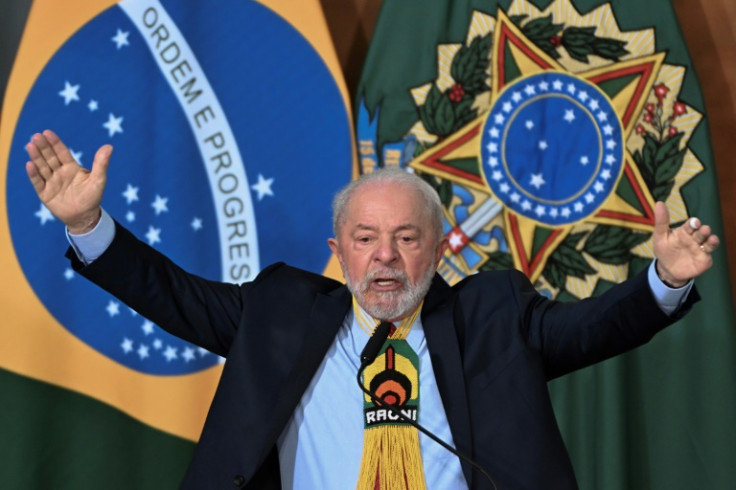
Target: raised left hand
<point>682,253</point>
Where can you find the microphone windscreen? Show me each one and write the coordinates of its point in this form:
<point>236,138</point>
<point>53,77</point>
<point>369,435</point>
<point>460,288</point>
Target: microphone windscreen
<point>374,344</point>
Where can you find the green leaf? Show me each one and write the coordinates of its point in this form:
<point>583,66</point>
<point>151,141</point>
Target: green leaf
<point>662,192</point>
<point>541,27</point>
<point>555,275</point>
<point>444,117</point>
<point>566,260</point>
<point>613,244</point>
<point>572,262</point>
<point>498,261</point>
<point>445,193</point>
<point>637,238</point>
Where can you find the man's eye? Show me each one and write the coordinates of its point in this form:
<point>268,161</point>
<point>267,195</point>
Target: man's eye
<point>407,239</point>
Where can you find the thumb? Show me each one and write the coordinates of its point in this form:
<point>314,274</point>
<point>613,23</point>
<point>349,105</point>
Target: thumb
<point>101,162</point>
<point>661,220</point>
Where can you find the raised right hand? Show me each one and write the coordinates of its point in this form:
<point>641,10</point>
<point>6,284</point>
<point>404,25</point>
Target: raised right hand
<point>69,191</point>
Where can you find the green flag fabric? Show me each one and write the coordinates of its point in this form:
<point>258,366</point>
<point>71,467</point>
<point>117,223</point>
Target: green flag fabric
<point>549,130</point>
<point>210,107</point>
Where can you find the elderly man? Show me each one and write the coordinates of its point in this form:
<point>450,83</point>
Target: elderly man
<point>469,362</point>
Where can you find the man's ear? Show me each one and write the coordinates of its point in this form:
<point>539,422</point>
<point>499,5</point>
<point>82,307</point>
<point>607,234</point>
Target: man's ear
<point>334,246</point>
<point>441,247</point>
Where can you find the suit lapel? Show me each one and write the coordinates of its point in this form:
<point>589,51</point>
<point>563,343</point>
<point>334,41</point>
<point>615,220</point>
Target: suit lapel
<point>442,342</point>
<point>326,317</point>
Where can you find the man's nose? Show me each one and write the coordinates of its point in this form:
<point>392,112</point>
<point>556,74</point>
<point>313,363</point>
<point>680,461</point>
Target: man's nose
<point>386,251</point>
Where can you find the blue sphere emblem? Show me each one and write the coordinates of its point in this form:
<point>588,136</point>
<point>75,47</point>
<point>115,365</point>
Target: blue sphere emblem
<point>552,148</point>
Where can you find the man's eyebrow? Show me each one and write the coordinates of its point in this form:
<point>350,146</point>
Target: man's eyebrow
<point>362,227</point>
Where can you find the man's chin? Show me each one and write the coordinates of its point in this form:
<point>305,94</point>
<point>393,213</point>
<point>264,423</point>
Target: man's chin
<point>386,310</point>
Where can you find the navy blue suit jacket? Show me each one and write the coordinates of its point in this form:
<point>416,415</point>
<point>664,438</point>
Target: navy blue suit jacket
<point>493,340</point>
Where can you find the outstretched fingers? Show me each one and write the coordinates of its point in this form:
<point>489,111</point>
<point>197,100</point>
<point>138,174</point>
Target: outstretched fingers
<point>38,182</point>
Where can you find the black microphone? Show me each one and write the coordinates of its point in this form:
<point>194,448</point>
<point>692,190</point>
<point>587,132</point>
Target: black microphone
<point>374,344</point>
<point>367,356</point>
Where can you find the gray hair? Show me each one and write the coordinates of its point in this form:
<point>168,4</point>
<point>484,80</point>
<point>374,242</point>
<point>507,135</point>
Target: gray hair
<point>389,175</point>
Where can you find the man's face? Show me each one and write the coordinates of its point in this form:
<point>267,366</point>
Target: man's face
<point>388,249</point>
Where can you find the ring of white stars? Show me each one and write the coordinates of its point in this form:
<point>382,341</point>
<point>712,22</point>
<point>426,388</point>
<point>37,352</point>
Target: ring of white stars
<point>495,168</point>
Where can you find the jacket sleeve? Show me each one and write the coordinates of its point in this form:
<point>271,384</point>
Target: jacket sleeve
<point>572,335</point>
<point>204,312</point>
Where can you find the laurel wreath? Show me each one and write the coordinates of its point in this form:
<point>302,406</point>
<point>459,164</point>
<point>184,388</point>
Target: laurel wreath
<point>579,42</point>
<point>446,111</point>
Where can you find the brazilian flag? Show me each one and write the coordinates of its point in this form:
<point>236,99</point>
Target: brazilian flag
<point>218,163</point>
<point>549,129</point>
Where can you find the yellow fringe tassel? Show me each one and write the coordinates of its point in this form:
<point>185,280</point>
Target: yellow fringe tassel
<point>392,453</point>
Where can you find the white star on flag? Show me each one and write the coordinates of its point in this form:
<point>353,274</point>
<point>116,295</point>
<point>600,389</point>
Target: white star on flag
<point>263,187</point>
<point>113,308</point>
<point>569,116</point>
<point>120,39</point>
<point>130,194</point>
<point>188,354</point>
<point>147,327</point>
<point>92,106</point>
<point>44,214</point>
<point>143,351</point>
<point>153,235</point>
<point>196,224</point>
<point>113,125</point>
<point>160,205</point>
<point>76,155</point>
<point>69,93</point>
<point>170,353</point>
<point>127,345</point>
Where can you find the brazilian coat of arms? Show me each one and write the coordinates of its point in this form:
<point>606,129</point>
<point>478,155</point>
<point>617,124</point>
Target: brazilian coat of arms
<point>549,135</point>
